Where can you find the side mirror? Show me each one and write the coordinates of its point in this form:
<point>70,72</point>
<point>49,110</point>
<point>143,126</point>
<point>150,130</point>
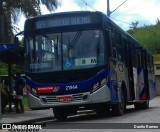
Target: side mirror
<point>16,39</point>
<point>19,47</point>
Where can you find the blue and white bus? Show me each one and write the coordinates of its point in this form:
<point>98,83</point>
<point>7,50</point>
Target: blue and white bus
<point>84,60</point>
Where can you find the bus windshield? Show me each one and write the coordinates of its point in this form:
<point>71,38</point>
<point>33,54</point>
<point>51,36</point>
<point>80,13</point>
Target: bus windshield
<point>65,51</point>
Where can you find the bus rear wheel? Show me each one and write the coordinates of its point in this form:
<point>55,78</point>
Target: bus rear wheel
<point>60,114</point>
<point>143,105</point>
<point>119,108</point>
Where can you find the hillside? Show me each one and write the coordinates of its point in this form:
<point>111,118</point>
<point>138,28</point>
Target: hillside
<point>148,36</point>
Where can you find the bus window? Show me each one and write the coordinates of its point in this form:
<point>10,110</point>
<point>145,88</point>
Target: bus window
<point>83,49</point>
<point>44,52</point>
<point>138,56</point>
<point>120,54</point>
<point>114,53</point>
<point>67,51</point>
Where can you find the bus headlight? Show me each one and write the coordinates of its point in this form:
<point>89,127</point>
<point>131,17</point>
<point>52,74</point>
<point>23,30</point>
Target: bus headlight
<point>99,84</point>
<point>34,92</point>
<point>95,87</point>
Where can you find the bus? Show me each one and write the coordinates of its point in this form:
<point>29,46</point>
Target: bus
<point>82,60</point>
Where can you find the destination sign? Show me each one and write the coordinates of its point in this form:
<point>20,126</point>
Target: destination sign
<point>69,21</point>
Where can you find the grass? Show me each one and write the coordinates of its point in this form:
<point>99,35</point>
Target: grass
<point>148,36</point>
<point>25,102</point>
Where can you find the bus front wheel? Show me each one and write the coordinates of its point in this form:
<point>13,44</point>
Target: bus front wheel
<point>60,114</point>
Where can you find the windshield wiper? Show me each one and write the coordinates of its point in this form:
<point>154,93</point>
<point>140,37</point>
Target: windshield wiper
<point>56,47</point>
<point>98,45</point>
<point>75,39</point>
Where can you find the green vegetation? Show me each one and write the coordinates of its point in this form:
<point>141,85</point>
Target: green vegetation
<point>12,10</point>
<point>25,102</point>
<point>157,58</point>
<point>148,36</point>
<point>4,69</point>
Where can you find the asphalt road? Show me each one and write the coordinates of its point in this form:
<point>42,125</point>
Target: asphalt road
<point>92,122</point>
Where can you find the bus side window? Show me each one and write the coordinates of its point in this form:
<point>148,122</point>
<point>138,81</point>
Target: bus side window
<point>138,56</point>
<point>120,54</point>
<point>143,59</point>
<point>151,65</point>
<point>114,53</point>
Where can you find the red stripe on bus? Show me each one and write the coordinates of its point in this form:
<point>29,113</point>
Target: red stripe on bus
<point>49,89</point>
<point>144,97</point>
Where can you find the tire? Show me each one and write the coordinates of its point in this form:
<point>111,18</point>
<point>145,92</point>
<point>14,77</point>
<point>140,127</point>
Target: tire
<point>60,114</point>
<point>119,108</point>
<point>141,106</point>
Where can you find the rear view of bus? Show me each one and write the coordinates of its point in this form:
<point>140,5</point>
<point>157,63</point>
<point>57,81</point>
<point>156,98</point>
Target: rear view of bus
<point>68,65</point>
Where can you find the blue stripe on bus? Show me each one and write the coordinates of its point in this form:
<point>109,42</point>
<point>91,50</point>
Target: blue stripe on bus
<point>113,86</point>
<point>83,86</point>
<point>143,95</point>
<point>139,70</point>
<point>142,92</point>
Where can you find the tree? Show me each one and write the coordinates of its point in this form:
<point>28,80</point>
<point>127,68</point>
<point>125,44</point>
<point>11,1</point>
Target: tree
<point>157,21</point>
<point>11,10</point>
<point>134,25</point>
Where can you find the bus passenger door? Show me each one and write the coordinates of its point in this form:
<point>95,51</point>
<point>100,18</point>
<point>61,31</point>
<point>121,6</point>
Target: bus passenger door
<point>117,70</point>
<point>113,75</point>
<point>145,95</point>
<point>141,89</point>
<point>128,53</point>
<point>151,78</point>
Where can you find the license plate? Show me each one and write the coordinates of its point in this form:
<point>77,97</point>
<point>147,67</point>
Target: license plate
<point>65,99</point>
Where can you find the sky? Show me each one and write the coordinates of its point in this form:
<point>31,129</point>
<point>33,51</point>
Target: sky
<point>146,12</point>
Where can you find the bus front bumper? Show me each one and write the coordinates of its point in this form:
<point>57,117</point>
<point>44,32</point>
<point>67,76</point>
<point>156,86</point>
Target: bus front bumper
<point>102,95</point>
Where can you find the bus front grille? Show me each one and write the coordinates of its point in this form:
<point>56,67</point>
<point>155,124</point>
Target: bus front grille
<point>63,76</point>
<point>75,98</point>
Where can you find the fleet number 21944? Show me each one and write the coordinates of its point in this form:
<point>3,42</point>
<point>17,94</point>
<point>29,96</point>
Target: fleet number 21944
<point>71,87</point>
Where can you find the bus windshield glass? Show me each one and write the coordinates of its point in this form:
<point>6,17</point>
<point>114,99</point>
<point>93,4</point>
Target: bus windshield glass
<point>65,51</point>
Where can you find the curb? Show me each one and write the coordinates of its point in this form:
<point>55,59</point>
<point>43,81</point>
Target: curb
<point>30,121</point>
